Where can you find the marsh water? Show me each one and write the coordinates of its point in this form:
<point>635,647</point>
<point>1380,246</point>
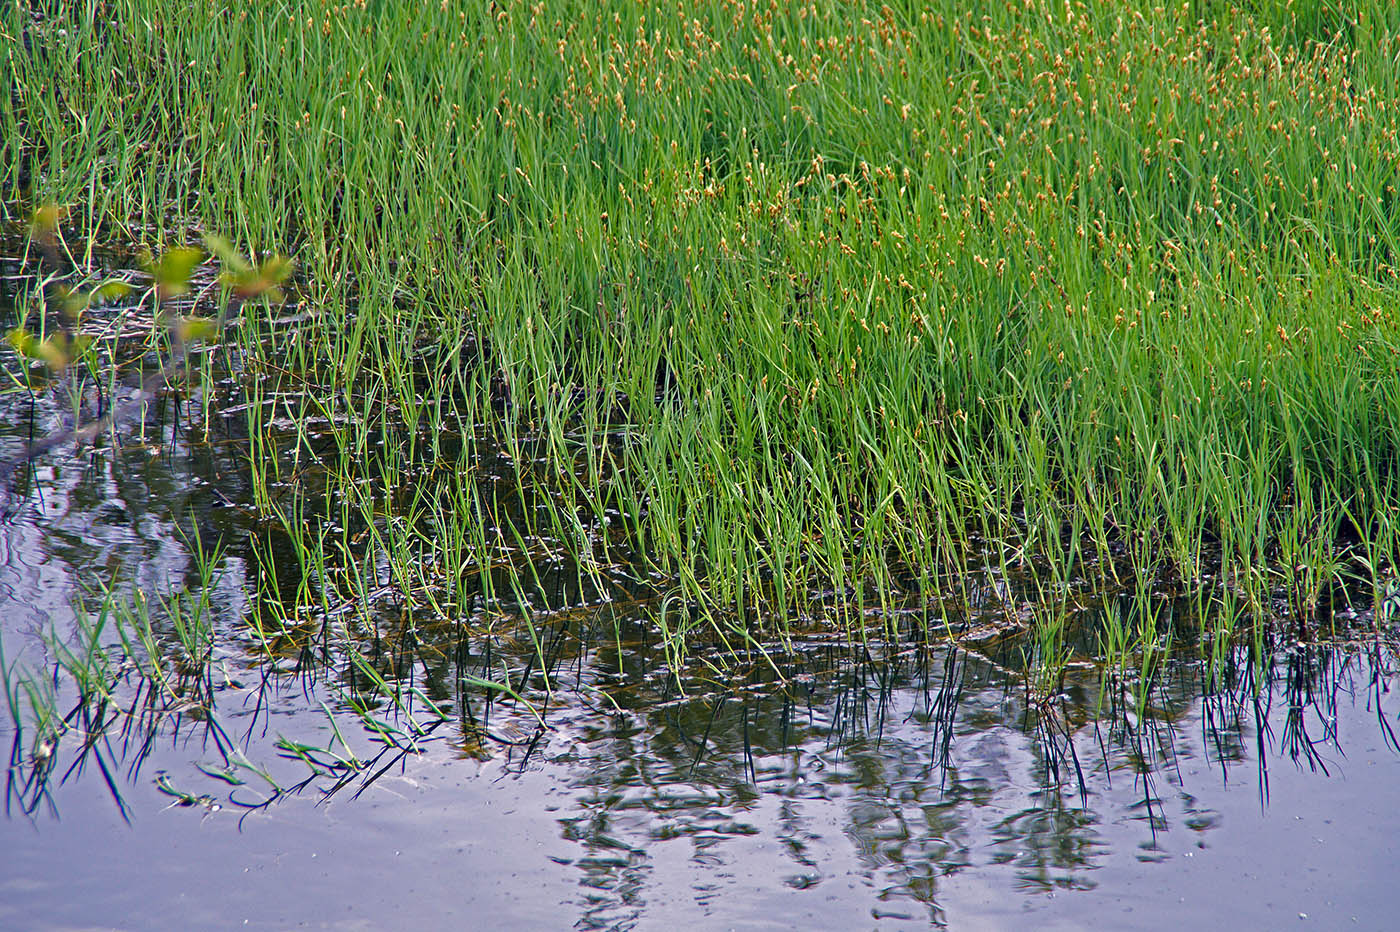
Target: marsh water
<point>898,780</point>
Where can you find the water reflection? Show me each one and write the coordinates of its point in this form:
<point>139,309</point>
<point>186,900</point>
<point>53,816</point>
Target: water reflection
<point>931,764</point>
<point>868,784</point>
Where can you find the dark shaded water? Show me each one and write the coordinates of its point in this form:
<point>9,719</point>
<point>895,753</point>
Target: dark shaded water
<point>881,787</point>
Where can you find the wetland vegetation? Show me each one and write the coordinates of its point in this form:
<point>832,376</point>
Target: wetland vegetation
<point>448,383</point>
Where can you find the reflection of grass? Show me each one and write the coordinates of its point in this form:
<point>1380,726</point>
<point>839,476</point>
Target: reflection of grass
<point>128,702</point>
<point>126,674</point>
<point>766,310</point>
<point>137,672</point>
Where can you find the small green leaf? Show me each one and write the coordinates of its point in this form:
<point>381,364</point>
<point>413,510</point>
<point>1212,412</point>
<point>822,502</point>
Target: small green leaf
<point>74,301</point>
<point>52,351</point>
<point>247,280</point>
<point>276,269</point>
<point>193,329</point>
<point>24,342</point>
<point>108,291</point>
<point>172,270</point>
<point>224,251</point>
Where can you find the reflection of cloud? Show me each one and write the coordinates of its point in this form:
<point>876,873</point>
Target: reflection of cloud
<point>856,751</point>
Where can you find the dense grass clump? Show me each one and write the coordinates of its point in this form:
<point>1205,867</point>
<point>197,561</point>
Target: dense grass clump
<point>751,302</point>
